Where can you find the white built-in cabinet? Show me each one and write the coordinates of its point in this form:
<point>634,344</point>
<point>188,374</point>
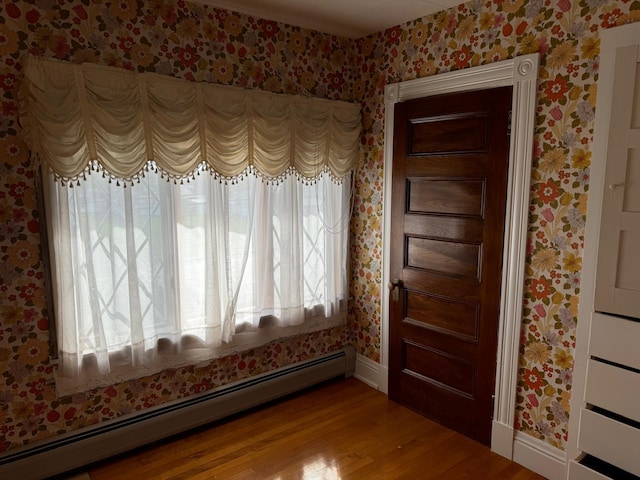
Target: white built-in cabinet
<point>618,271</point>
<point>604,435</point>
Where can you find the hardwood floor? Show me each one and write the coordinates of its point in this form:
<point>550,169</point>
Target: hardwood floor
<point>340,430</point>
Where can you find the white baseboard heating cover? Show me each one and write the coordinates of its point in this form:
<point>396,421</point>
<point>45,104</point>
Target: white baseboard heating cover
<point>87,445</point>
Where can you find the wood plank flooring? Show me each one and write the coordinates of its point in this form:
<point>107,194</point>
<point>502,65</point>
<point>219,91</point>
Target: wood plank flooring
<point>341,430</point>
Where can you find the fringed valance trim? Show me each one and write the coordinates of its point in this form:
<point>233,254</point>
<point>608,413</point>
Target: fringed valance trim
<point>83,117</point>
<point>95,168</point>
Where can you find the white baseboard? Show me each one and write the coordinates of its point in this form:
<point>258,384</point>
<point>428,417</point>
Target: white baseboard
<point>502,439</point>
<point>384,380</point>
<point>371,373</point>
<point>539,457</point>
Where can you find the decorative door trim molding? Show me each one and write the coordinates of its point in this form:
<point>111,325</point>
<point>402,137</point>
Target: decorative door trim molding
<point>521,73</point>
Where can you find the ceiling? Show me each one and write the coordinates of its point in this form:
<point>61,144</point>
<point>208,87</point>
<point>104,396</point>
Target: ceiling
<point>345,18</point>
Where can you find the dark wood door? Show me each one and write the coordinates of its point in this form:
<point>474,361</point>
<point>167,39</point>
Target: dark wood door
<point>448,206</point>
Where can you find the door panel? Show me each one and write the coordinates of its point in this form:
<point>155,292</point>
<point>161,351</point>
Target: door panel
<point>444,227</point>
<point>449,193</point>
<point>449,371</point>
<point>448,316</point>
<point>617,280</point>
<point>461,133</point>
<point>457,197</point>
<point>444,257</point>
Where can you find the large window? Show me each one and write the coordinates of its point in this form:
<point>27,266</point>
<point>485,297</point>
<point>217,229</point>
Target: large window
<point>161,273</point>
<point>185,221</point>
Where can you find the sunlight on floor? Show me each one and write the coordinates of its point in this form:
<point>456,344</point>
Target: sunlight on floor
<point>319,469</point>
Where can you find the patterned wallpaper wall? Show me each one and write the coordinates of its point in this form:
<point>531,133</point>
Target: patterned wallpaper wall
<point>204,44</point>
<point>173,38</point>
<point>566,33</point>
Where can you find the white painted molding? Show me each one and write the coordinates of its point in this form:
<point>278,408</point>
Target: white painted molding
<point>525,70</point>
<point>502,439</point>
<point>539,457</point>
<point>384,380</point>
<point>391,94</point>
<point>368,371</point>
<point>521,73</point>
<point>610,40</point>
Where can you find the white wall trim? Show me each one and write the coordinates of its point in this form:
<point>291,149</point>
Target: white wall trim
<point>539,456</point>
<point>502,439</point>
<point>371,373</point>
<point>610,40</point>
<point>521,73</point>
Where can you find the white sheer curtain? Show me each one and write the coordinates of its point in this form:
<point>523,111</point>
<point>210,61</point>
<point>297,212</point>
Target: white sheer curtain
<point>186,220</point>
<point>163,274</point>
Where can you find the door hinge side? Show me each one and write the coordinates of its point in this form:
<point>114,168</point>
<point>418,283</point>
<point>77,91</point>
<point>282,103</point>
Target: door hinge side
<point>493,405</point>
<point>509,123</point>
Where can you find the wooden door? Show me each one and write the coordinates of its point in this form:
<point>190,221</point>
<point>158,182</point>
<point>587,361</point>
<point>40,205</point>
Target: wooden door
<point>447,227</point>
<point>618,278</point>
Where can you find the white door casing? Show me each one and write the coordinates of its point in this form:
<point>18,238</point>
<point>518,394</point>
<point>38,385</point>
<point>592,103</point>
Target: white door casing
<point>521,73</point>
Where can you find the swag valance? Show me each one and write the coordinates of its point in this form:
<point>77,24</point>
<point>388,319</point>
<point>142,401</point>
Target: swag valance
<point>76,115</point>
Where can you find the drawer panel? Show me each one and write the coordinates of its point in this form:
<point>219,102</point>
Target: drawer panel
<point>615,339</point>
<point>581,472</point>
<point>610,440</point>
<point>614,389</point>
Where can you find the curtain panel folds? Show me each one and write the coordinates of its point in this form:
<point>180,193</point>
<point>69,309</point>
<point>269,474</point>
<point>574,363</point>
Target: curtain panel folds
<point>168,274</point>
<point>77,115</point>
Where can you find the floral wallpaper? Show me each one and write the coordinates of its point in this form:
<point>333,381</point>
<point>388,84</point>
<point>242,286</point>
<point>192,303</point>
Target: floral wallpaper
<point>201,43</point>
<point>168,37</point>
<point>566,33</point>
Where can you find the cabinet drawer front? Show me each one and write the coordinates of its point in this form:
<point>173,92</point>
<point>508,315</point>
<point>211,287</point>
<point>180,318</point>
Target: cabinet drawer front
<point>614,389</point>
<point>615,339</point>
<point>580,472</point>
<point>611,441</point>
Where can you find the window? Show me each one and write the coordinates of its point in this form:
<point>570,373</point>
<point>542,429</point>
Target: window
<point>163,273</point>
<point>183,257</point>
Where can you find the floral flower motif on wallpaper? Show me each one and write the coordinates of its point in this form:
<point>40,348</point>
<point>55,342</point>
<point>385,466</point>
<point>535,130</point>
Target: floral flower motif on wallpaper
<point>168,37</point>
<point>204,44</point>
<point>566,34</point>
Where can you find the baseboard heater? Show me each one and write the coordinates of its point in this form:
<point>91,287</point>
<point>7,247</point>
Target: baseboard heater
<point>84,446</point>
